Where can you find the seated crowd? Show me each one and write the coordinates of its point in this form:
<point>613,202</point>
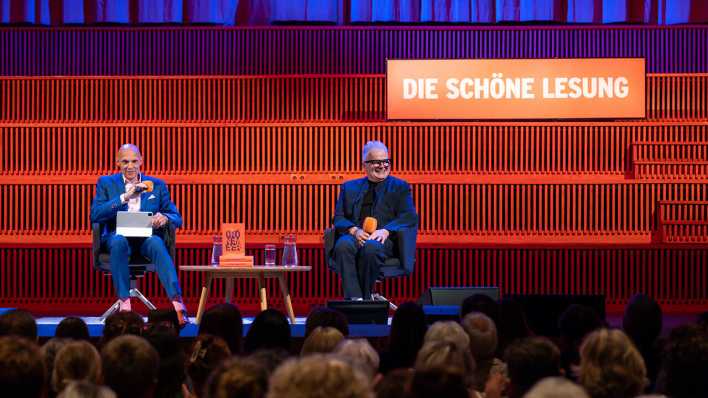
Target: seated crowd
<point>491,352</point>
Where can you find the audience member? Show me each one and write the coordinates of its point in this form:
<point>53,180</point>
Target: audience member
<point>556,387</point>
<point>269,330</point>
<point>685,363</point>
<point>446,355</point>
<point>361,355</point>
<point>225,321</point>
<point>512,323</point>
<point>529,360</point>
<point>408,329</point>
<point>395,384</point>
<point>164,339</point>
<point>480,303</point>
<point>72,328</point>
<point>121,323</point>
<point>642,322</point>
<point>270,359</point>
<point>76,361</point>
<point>318,376</point>
<point>326,317</point>
<point>130,367</point>
<point>49,353</point>
<point>610,365</point>
<point>85,389</point>
<point>322,340</point>
<point>574,324</point>
<point>449,331</point>
<point>238,378</point>
<point>208,352</point>
<point>432,383</point>
<point>21,368</point>
<point>483,345</point>
<point>18,323</point>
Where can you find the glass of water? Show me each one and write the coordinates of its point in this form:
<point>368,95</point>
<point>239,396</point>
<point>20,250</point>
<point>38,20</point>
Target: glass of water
<point>269,255</point>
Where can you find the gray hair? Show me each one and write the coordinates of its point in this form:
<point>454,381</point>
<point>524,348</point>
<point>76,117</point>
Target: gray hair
<point>360,354</point>
<point>372,145</point>
<point>129,147</point>
<point>556,387</point>
<point>448,331</point>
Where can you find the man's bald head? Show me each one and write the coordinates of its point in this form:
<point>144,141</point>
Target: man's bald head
<point>128,147</point>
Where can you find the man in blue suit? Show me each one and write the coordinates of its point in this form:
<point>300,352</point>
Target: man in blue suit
<point>128,191</point>
<point>359,255</point>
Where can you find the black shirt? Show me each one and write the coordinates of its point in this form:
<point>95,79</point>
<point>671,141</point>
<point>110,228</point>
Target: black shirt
<point>367,204</point>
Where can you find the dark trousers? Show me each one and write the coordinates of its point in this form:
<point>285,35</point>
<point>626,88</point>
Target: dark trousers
<point>360,266</point>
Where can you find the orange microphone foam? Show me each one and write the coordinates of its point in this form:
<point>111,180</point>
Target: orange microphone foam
<point>369,225</point>
<point>150,186</point>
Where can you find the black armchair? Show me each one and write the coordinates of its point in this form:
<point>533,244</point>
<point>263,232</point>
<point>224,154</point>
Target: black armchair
<point>138,264</point>
<point>402,263</point>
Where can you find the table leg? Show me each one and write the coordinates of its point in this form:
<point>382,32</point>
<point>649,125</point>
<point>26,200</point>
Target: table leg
<point>203,297</point>
<point>286,298</point>
<point>229,289</point>
<point>262,292</point>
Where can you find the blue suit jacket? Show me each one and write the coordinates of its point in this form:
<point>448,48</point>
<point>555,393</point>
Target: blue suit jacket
<point>106,204</point>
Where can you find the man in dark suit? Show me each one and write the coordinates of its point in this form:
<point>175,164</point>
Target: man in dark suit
<point>128,191</point>
<point>360,255</point>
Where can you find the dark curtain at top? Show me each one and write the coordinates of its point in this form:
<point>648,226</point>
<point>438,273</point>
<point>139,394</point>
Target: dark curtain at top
<point>266,12</point>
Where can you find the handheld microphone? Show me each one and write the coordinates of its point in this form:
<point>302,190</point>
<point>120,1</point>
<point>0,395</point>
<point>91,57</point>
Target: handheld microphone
<point>369,225</point>
<point>149,186</point>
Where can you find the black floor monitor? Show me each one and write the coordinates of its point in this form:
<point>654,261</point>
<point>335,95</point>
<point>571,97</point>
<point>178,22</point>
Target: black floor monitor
<point>358,312</point>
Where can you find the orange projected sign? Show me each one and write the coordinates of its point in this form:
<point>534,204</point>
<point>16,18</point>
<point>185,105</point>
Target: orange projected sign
<point>516,88</point>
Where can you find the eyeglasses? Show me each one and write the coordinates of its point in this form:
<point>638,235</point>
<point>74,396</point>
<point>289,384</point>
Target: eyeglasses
<point>378,163</point>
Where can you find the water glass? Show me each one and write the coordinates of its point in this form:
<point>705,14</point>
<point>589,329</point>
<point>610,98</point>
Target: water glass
<point>289,251</point>
<point>269,255</point>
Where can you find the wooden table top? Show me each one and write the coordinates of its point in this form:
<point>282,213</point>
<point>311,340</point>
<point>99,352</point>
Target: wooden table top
<point>246,270</point>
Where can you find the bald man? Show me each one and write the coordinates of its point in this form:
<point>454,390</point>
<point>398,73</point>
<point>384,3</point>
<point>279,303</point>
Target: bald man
<point>126,191</point>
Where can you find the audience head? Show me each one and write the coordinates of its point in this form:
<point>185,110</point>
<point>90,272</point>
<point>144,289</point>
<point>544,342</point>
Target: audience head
<point>164,339</point>
<point>318,376</point>
<point>408,329</point>
<point>72,328</point>
<point>224,320</point>
<point>512,323</point>
<point>77,360</point>
<point>685,362</point>
<point>326,317</point>
<point>642,320</point>
<point>576,322</point>
<point>21,368</point>
<point>445,355</point>
<point>322,340</point>
<point>207,353</point>
<point>438,383</point>
<point>556,387</point>
<point>85,389</point>
<point>49,353</point>
<point>449,331</point>
<point>361,355</point>
<point>611,366</point>
<point>269,330</point>
<point>480,303</point>
<point>121,323</point>
<point>529,360</point>
<point>130,366</point>
<point>18,323</point>
<point>270,359</point>
<point>482,333</point>
<point>396,384</point>
<point>238,378</point>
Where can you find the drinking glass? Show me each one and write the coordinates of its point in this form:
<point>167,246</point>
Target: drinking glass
<point>269,255</point>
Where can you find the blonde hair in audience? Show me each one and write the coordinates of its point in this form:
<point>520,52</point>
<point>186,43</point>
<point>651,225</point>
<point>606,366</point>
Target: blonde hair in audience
<point>482,333</point>
<point>322,340</point>
<point>449,331</point>
<point>318,376</point>
<point>360,354</point>
<point>556,387</point>
<point>446,356</point>
<point>611,366</point>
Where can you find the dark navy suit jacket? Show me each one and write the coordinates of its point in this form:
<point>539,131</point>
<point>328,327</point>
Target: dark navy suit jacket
<point>106,203</point>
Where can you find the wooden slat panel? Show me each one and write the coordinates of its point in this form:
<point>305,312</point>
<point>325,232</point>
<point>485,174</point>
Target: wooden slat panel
<point>258,98</point>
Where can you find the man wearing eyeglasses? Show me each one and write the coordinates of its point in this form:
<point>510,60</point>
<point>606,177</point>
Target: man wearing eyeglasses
<point>360,255</point>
